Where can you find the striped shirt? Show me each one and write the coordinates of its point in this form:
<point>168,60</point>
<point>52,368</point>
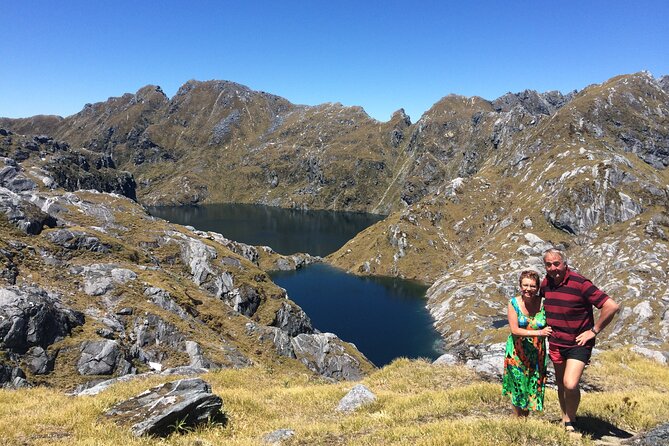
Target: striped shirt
<point>569,307</point>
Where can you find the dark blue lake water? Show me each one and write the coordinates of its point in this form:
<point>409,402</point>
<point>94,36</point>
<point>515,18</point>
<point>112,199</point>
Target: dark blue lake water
<point>287,231</point>
<point>384,317</point>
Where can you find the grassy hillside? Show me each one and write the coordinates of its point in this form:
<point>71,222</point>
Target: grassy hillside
<point>417,404</point>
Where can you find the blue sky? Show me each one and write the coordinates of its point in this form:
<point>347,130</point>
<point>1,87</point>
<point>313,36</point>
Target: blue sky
<point>59,55</point>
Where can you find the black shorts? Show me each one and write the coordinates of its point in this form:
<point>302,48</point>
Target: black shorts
<point>561,354</point>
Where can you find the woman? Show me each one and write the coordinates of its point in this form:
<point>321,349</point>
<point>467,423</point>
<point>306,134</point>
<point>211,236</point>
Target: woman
<point>525,360</point>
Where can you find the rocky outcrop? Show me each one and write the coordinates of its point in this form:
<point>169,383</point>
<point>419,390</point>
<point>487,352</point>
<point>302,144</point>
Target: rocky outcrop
<point>324,354</point>
<point>163,409</point>
<point>69,239</point>
<point>39,361</point>
<point>102,358</point>
<point>73,172</point>
<point>32,317</point>
<point>12,377</point>
<point>292,320</point>
<point>102,278</point>
<point>24,215</point>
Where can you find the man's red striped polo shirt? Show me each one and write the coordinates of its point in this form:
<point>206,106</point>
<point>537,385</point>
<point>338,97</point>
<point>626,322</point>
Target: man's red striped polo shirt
<point>569,307</point>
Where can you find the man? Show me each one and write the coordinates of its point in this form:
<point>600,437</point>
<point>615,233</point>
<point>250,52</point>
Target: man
<point>569,298</point>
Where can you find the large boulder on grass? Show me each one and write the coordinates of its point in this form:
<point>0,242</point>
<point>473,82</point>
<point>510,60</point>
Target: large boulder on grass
<point>169,407</point>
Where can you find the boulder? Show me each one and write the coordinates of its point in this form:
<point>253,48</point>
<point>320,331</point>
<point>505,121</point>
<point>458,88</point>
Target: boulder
<point>99,357</point>
<point>324,354</point>
<point>358,396</point>
<point>197,359</point>
<point>655,437</point>
<point>162,409</point>
<point>446,359</point>
<point>12,178</point>
<point>70,239</point>
<point>12,377</point>
<point>29,316</point>
<point>38,361</point>
<point>489,362</point>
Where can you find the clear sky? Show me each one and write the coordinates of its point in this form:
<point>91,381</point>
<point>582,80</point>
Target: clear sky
<point>56,56</point>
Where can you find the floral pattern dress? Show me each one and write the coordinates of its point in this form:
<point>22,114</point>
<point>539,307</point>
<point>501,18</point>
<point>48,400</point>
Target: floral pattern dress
<point>525,363</point>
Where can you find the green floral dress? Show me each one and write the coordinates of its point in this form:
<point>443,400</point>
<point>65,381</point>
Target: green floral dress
<point>525,363</point>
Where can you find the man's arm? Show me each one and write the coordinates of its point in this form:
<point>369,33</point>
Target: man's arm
<point>606,313</point>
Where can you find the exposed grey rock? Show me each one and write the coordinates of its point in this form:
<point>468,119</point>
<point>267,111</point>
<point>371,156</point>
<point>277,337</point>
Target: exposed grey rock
<point>152,334</point>
<point>157,410</point>
<point>490,362</point>
<point>185,370</point>
<point>163,299</point>
<point>100,278</point>
<point>247,251</point>
<point>660,357</point>
<point>125,311</point>
<point>358,396</point>
<point>244,299</point>
<point>38,361</point>
<point>76,171</point>
<point>277,436</point>
<point>222,130</point>
<point>8,269</point>
<point>12,178</point>
<point>292,319</point>
<point>446,359</point>
<point>23,214</point>
<point>70,239</point>
<point>324,354</point>
<point>197,359</point>
<point>29,316</point>
<point>99,357</point>
<point>535,103</point>
<point>12,377</point>
<point>199,256</point>
<point>658,436</point>
<point>280,339</point>
<point>96,387</point>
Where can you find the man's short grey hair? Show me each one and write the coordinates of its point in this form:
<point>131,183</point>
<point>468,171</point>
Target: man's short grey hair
<point>556,252</point>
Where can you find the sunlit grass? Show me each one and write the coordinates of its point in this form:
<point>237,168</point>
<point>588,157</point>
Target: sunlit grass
<point>417,404</point>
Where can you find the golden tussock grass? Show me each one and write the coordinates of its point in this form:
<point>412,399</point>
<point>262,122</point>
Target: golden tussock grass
<point>417,404</point>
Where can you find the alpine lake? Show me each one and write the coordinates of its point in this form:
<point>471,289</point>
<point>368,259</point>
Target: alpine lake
<point>385,317</point>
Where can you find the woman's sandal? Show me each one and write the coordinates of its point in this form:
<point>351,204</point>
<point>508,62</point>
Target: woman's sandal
<point>569,426</point>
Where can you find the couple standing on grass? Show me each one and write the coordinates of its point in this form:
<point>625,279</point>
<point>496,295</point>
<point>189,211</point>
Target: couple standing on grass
<point>564,317</point>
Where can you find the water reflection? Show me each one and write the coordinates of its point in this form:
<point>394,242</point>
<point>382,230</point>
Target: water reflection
<point>287,231</point>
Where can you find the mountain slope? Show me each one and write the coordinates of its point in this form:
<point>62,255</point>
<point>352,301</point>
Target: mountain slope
<point>590,178</point>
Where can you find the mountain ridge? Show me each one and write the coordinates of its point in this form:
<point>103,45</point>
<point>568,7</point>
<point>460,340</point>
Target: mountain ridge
<point>472,182</point>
